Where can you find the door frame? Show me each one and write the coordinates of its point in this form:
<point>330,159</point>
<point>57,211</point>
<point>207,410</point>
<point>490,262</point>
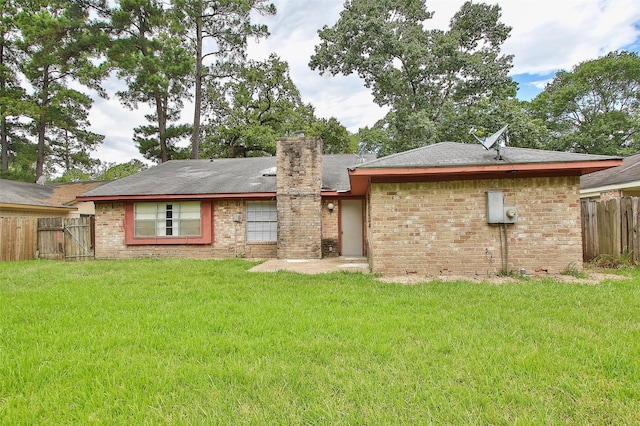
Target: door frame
<point>340,234</point>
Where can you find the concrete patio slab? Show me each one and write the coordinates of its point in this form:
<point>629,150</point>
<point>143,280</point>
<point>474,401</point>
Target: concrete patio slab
<point>314,266</point>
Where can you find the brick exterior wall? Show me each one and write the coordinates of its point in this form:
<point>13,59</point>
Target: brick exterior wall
<point>610,195</point>
<point>229,238</point>
<point>330,232</point>
<point>441,228</point>
<point>299,182</point>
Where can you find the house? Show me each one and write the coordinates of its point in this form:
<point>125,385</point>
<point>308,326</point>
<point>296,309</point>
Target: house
<point>448,208</point>
<point>50,200</point>
<point>616,182</point>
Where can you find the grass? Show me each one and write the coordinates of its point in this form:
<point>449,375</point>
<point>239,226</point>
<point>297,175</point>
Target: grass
<point>205,342</point>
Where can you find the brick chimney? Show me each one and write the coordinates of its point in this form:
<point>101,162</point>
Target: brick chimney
<point>299,182</point>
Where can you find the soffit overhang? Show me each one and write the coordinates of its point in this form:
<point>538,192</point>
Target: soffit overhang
<point>361,178</point>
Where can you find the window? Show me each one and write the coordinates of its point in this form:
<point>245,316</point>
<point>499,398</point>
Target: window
<point>262,221</point>
<point>169,222</point>
<point>179,219</point>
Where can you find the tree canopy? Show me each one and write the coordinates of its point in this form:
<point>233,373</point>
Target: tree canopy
<point>57,45</point>
<point>425,76</point>
<point>218,32</point>
<point>437,84</point>
<point>254,105</point>
<point>595,107</point>
<point>55,54</point>
<point>149,56</point>
<point>103,171</point>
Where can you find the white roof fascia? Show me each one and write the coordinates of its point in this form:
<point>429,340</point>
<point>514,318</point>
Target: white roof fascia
<point>598,189</point>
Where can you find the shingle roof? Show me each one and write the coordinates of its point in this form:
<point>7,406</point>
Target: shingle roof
<point>50,195</point>
<point>256,174</point>
<point>12,192</point>
<point>221,176</point>
<point>628,172</point>
<point>452,154</point>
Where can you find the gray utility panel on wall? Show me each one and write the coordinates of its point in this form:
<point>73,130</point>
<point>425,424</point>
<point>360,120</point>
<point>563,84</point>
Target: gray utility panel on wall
<point>496,210</point>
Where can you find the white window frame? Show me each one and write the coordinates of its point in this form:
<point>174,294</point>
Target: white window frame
<point>167,219</point>
<point>262,221</point>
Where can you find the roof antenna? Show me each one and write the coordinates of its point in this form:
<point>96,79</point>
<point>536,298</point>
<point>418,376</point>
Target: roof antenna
<point>361,146</point>
<point>496,140</point>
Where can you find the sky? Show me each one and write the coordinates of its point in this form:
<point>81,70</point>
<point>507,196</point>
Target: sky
<point>546,36</point>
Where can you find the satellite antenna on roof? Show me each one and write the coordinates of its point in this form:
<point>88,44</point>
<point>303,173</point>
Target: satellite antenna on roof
<point>496,140</point>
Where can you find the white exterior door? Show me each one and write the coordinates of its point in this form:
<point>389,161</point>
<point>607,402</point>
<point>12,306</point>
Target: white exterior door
<point>351,227</point>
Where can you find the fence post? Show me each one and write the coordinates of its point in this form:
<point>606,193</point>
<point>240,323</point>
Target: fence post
<point>589,209</point>
<point>636,222</point>
<point>626,226</point>
<point>629,228</point>
<point>609,227</point>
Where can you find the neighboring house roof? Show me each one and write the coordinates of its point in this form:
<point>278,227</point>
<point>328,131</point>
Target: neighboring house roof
<point>225,176</point>
<point>24,195</point>
<point>626,175</point>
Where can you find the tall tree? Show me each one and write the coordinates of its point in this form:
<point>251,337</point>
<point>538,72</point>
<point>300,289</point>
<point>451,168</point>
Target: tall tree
<point>6,28</point>
<point>150,57</point>
<point>219,31</point>
<point>103,171</point>
<point>422,75</point>
<point>595,107</point>
<point>69,141</point>
<point>247,111</point>
<point>22,155</point>
<point>11,94</point>
<point>112,171</point>
<point>58,43</point>
<point>146,138</point>
<point>335,137</point>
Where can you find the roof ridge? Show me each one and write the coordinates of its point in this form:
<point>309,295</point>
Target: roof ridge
<point>377,160</point>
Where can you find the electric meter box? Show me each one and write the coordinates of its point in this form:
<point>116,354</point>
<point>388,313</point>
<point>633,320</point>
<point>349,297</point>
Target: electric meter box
<point>496,210</point>
<point>510,215</point>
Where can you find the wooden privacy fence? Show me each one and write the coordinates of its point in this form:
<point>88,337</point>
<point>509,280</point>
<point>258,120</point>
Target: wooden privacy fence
<point>18,238</point>
<point>23,238</point>
<point>611,228</point>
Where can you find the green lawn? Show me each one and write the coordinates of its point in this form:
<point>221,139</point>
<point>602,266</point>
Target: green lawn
<point>205,342</point>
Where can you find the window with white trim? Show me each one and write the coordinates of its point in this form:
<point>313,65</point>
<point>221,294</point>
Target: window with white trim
<point>172,219</point>
<point>262,221</point>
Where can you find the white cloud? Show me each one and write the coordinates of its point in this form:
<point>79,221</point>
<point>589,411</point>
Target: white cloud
<point>550,35</point>
<point>109,118</point>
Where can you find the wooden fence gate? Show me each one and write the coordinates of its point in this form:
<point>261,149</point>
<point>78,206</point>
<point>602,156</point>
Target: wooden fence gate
<point>66,238</point>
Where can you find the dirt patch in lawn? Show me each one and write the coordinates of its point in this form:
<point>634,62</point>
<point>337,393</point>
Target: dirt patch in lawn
<point>359,264</point>
<point>589,278</point>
